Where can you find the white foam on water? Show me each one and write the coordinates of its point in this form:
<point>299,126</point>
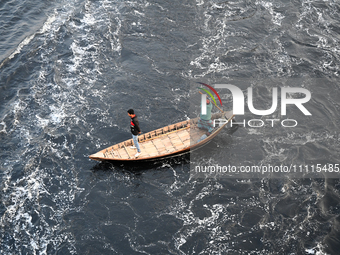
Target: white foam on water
<point>78,54</point>
<point>46,27</point>
<point>317,250</point>
<point>58,102</point>
<point>114,27</point>
<point>318,31</point>
<point>199,2</point>
<point>276,17</point>
<point>57,114</point>
<point>192,224</point>
<point>218,30</point>
<point>3,127</point>
<point>42,122</point>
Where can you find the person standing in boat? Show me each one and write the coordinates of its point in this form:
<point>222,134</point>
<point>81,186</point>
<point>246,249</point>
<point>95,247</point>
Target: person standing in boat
<point>205,121</point>
<point>135,130</point>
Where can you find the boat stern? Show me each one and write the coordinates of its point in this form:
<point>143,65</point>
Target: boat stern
<point>99,156</point>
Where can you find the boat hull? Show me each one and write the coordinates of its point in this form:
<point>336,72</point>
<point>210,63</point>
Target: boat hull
<point>169,141</point>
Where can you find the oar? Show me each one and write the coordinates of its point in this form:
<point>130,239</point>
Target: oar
<point>214,103</point>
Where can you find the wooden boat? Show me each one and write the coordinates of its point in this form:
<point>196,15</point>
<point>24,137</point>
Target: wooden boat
<point>163,142</point>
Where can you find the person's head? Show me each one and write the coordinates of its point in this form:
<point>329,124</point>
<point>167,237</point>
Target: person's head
<point>131,112</point>
<point>208,101</point>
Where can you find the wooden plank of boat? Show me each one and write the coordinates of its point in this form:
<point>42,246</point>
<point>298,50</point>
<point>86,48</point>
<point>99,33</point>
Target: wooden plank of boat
<point>163,142</point>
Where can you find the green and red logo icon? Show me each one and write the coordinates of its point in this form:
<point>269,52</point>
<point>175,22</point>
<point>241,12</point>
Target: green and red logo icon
<point>204,97</point>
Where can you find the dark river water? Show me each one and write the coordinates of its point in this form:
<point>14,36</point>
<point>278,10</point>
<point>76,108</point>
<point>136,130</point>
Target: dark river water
<point>70,70</point>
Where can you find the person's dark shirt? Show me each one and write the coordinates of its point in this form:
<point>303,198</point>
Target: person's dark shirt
<point>135,129</point>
